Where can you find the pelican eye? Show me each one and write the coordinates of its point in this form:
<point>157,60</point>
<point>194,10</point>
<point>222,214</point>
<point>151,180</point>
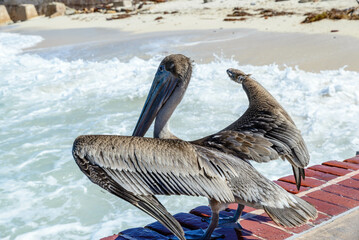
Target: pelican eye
<point>161,68</point>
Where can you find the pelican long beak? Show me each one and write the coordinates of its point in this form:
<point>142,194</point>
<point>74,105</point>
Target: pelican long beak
<point>162,88</point>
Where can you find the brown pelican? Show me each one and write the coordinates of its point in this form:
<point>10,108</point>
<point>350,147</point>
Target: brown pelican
<point>136,168</point>
<point>266,118</point>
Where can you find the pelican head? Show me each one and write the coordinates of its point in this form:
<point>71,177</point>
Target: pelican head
<point>237,75</point>
<point>167,90</point>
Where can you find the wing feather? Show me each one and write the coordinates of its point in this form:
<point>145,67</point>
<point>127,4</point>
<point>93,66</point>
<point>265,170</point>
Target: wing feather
<point>147,166</point>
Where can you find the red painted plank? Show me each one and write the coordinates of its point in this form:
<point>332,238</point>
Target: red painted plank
<point>354,160</point>
<point>308,182</point>
<point>345,165</point>
<point>265,218</point>
<point>321,218</point>
<point>263,230</point>
<point>113,237</point>
<point>319,175</point>
<point>344,191</point>
<point>325,207</point>
<point>356,177</point>
<point>331,170</point>
<point>246,208</point>
<point>334,199</point>
<point>300,229</point>
<point>352,183</point>
<point>290,187</point>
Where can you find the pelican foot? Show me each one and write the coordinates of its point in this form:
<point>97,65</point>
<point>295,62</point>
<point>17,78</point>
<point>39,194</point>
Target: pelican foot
<point>198,235</point>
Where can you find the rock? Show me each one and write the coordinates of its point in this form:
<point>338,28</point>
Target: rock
<point>23,12</point>
<point>122,3</point>
<point>4,16</point>
<point>55,9</point>
<point>207,1</point>
<point>70,11</point>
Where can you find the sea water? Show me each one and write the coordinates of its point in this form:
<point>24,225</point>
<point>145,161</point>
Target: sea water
<point>47,101</point>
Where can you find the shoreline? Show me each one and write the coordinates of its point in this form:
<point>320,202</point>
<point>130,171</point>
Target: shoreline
<point>308,52</point>
<point>198,30</point>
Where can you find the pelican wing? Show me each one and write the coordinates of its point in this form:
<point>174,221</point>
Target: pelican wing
<point>255,136</point>
<point>278,128</point>
<point>242,144</point>
<point>146,166</point>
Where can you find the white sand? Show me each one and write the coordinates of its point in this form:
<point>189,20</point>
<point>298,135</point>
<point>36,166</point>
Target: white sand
<point>195,15</point>
<point>280,39</point>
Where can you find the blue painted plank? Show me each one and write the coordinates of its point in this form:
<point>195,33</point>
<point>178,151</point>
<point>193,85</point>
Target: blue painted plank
<point>140,234</point>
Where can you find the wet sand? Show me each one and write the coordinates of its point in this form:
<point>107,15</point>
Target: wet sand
<point>309,52</point>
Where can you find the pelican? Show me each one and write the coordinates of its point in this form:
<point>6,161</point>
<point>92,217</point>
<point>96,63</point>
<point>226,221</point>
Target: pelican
<point>137,168</point>
<point>266,118</point>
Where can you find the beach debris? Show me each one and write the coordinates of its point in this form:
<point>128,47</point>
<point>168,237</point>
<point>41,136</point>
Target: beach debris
<point>4,16</point>
<point>238,12</point>
<point>119,16</point>
<point>334,14</point>
<point>110,12</point>
<point>305,1</point>
<point>23,12</point>
<point>234,19</point>
<point>334,31</point>
<point>158,18</point>
<point>157,1</point>
<point>173,12</point>
<point>55,9</point>
<point>265,13</point>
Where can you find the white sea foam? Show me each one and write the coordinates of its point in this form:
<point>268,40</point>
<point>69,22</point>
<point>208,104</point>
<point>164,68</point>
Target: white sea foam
<point>46,103</point>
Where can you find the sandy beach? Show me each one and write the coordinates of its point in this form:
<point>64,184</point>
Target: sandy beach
<point>257,40</point>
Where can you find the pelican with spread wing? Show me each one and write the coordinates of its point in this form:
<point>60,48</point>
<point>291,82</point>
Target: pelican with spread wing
<point>137,168</point>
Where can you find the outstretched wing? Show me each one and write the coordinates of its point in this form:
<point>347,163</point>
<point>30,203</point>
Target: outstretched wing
<point>149,204</point>
<point>263,136</point>
<point>242,144</point>
<point>146,166</point>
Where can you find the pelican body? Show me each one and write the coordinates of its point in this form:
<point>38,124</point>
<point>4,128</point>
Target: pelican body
<point>137,168</point>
